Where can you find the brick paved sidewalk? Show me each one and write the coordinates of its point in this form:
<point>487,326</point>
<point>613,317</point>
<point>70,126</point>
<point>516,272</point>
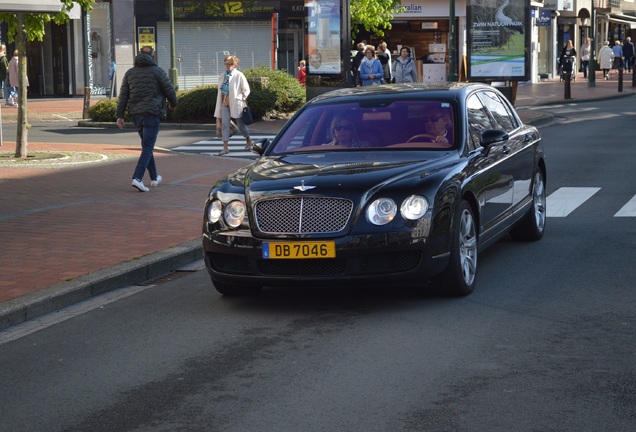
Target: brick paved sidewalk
<point>59,224</point>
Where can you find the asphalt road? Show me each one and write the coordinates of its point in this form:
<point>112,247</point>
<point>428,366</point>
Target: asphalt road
<point>545,343</point>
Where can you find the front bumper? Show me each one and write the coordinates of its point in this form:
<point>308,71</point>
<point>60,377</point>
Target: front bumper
<point>236,257</point>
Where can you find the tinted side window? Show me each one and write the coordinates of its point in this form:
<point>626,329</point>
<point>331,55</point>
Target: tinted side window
<point>499,111</point>
<point>478,120</point>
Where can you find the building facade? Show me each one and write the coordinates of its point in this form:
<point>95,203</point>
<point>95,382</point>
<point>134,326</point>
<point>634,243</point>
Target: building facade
<point>93,50</point>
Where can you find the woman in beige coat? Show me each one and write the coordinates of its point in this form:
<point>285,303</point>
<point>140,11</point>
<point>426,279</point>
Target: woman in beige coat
<point>230,101</point>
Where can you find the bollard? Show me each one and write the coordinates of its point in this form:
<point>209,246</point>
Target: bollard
<point>620,79</point>
<point>567,88</point>
<point>87,102</point>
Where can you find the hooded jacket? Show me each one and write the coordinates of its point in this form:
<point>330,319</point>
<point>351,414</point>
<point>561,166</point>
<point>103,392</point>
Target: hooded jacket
<point>145,88</point>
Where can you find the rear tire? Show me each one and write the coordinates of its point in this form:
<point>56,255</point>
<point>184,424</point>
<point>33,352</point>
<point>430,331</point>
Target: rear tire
<point>236,289</point>
<point>458,279</point>
<point>532,226</point>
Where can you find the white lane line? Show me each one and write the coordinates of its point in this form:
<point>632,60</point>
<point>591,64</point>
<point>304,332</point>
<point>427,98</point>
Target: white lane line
<point>40,323</point>
<point>566,199</point>
<point>628,210</point>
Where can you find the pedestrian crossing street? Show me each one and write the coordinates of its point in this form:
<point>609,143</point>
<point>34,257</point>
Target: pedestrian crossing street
<point>560,203</point>
<point>215,145</point>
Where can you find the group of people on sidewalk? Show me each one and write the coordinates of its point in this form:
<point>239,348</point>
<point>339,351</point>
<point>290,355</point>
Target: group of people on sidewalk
<point>144,91</point>
<point>9,78</point>
<point>371,67</point>
<point>618,57</point>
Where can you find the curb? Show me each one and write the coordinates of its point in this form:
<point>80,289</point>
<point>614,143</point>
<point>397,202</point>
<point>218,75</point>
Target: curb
<point>574,100</point>
<point>64,294</point>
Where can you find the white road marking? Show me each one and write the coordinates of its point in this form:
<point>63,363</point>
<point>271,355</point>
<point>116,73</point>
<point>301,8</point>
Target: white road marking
<point>40,323</point>
<point>213,146</point>
<point>566,199</point>
<point>628,210</point>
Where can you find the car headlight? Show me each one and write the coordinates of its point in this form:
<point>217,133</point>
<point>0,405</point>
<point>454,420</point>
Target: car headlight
<point>234,213</point>
<point>414,207</point>
<point>215,210</point>
<point>381,211</point>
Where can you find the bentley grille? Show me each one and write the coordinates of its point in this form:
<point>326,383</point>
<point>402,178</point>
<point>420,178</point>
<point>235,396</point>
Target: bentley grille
<point>303,215</point>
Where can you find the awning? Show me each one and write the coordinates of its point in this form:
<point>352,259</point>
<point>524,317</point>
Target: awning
<point>31,6</point>
<point>620,18</point>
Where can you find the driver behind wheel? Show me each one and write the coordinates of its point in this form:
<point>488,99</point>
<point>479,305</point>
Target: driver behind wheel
<point>439,124</point>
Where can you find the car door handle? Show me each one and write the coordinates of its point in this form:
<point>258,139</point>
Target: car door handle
<point>505,149</point>
<point>528,138</point>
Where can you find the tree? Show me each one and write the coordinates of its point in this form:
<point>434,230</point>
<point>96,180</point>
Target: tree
<point>373,15</point>
<point>23,26</point>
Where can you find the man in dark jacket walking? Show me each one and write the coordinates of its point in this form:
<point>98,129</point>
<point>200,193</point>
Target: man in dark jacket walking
<point>628,53</point>
<point>144,91</point>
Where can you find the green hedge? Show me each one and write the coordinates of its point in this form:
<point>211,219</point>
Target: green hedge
<point>271,91</point>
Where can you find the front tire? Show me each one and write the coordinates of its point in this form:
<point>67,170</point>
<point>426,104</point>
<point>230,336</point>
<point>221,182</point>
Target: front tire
<point>459,277</point>
<point>236,289</point>
<point>532,226</point>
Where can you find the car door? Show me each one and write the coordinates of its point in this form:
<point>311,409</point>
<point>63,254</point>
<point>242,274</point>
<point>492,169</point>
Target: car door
<point>494,168</point>
<point>521,144</point>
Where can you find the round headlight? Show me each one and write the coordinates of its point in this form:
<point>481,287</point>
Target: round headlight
<point>215,209</point>
<point>381,211</point>
<point>414,207</point>
<point>234,213</point>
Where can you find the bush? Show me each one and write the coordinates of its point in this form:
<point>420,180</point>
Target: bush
<point>271,90</point>
<point>195,105</point>
<point>288,93</point>
<point>105,111</point>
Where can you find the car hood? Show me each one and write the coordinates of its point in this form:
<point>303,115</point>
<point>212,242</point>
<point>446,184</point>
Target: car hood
<point>328,173</point>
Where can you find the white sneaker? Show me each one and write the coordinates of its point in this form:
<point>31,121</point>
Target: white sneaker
<point>139,185</point>
<point>155,183</point>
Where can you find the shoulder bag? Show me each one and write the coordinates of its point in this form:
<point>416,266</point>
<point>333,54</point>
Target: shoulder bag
<point>246,117</point>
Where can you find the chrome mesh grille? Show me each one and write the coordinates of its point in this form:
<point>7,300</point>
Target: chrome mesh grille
<point>303,215</point>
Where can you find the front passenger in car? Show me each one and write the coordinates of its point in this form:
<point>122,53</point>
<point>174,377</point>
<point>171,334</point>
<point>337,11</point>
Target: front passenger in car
<point>344,133</point>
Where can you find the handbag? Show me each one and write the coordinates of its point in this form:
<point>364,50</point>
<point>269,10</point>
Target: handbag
<point>247,116</point>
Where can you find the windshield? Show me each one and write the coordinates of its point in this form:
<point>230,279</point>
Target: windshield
<point>408,124</point>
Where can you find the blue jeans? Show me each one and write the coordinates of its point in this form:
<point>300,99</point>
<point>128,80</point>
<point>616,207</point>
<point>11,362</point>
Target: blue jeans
<point>148,129</point>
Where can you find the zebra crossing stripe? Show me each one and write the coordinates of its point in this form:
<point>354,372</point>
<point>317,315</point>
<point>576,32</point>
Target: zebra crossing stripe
<point>566,199</point>
<point>628,210</point>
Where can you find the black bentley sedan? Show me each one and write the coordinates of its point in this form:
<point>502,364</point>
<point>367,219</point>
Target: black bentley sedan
<point>390,183</point>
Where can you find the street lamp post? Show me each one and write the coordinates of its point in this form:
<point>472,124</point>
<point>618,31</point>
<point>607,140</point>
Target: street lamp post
<point>591,76</point>
<point>173,73</point>
<point>452,57</point>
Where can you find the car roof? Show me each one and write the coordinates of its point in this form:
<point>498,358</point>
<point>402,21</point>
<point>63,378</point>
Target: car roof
<point>442,90</point>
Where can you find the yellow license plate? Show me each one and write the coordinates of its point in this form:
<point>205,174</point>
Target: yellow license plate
<point>299,250</point>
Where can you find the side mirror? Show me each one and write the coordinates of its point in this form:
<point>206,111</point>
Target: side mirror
<point>491,136</point>
<point>259,146</point>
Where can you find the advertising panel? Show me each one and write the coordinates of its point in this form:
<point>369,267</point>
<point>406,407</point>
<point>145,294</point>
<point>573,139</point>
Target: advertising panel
<point>146,37</point>
<point>323,20</point>
<point>498,40</point>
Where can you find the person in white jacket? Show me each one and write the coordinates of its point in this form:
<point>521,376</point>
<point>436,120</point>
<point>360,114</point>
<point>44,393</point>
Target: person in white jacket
<point>230,101</point>
<point>605,59</point>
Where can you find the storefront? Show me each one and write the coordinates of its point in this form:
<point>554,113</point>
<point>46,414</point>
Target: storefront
<point>424,28</point>
<point>261,33</point>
